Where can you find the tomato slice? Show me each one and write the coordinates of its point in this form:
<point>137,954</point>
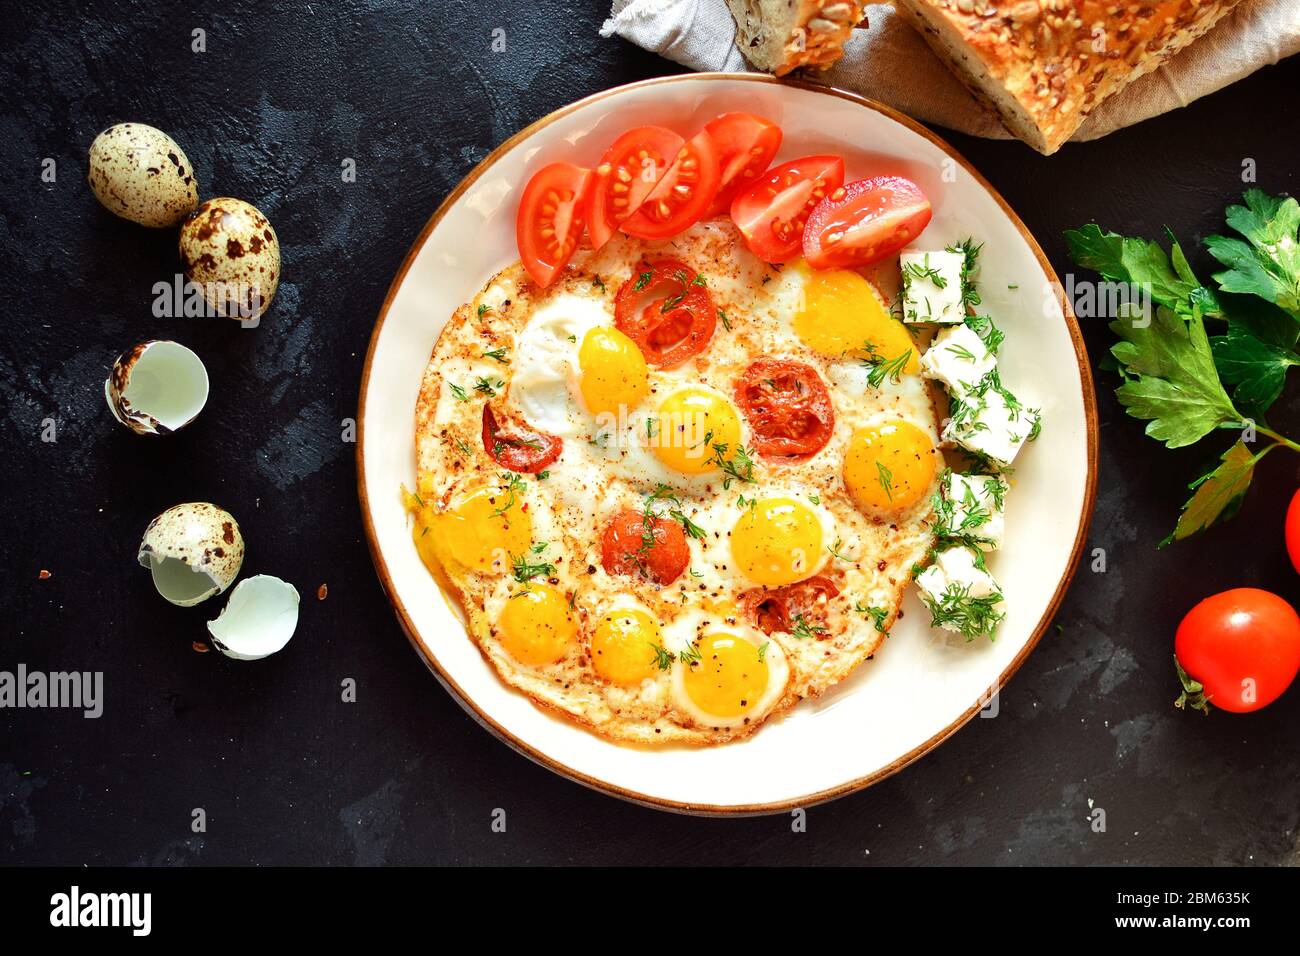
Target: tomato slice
<point>782,609</point>
<point>864,222</point>
<point>745,145</point>
<point>651,548</point>
<point>666,309</point>
<point>682,196</point>
<point>771,213</point>
<point>627,173</point>
<point>519,450</point>
<point>788,408</point>
<point>549,222</point>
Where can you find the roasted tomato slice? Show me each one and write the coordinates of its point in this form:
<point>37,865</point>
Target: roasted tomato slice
<point>771,213</point>
<point>864,222</point>
<point>549,223</point>
<point>745,145</point>
<point>785,608</point>
<point>684,194</point>
<point>519,449</point>
<point>626,175</point>
<point>666,309</point>
<point>788,408</point>
<point>647,547</point>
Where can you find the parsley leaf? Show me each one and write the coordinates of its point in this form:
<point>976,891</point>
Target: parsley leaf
<point>1217,495</point>
<point>1171,381</point>
<point>1256,368</point>
<point>1267,264</point>
<point>1143,263</point>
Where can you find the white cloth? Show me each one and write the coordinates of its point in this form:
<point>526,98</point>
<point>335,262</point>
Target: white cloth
<point>891,62</point>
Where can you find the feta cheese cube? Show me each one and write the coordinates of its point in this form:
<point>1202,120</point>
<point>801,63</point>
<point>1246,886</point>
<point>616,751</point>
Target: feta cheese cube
<point>970,507</point>
<point>991,422</point>
<point>961,594</point>
<point>932,286</point>
<point>959,358</point>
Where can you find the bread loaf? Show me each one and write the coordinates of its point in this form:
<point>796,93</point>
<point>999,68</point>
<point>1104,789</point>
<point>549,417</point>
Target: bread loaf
<point>782,35</point>
<point>1044,65</point>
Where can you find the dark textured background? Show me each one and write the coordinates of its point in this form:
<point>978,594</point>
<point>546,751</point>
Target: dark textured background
<point>286,772</point>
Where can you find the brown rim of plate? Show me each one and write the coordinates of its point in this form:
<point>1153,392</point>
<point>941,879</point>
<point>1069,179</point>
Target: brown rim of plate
<point>1090,492</point>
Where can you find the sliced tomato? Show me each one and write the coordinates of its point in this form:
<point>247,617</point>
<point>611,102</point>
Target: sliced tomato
<point>549,222</point>
<point>745,145</point>
<point>771,213</point>
<point>784,608</point>
<point>518,449</point>
<point>787,406</point>
<point>684,194</point>
<point>666,309</point>
<point>644,546</point>
<point>864,222</point>
<point>627,173</point>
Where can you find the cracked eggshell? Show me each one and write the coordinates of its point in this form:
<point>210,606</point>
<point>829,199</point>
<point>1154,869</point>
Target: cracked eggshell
<point>139,173</point>
<point>156,387</point>
<point>260,616</point>
<point>194,551</point>
<point>230,250</point>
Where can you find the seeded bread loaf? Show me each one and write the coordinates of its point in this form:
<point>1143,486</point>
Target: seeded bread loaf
<point>1045,64</point>
<point>782,35</point>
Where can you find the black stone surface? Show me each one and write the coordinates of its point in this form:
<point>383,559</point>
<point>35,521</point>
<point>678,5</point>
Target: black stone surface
<point>288,773</point>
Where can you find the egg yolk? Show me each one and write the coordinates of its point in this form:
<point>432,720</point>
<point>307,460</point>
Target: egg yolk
<point>729,679</point>
<point>687,426</point>
<point>777,541</point>
<point>842,312</point>
<point>482,530</point>
<point>889,467</point>
<point>614,374</point>
<point>536,626</point>
<point>622,647</point>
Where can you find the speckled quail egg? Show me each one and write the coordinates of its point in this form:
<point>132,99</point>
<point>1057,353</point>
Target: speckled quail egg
<point>156,387</point>
<point>194,551</point>
<point>139,173</point>
<point>230,250</point>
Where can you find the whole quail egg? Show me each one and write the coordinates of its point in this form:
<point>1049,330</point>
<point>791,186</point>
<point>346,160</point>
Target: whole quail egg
<point>230,250</point>
<point>139,173</point>
<point>194,551</point>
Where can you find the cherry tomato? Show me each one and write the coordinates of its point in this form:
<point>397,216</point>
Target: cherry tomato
<point>864,222</point>
<point>520,450</point>
<point>665,308</point>
<point>1239,650</point>
<point>627,173</point>
<point>772,211</point>
<point>1293,531</point>
<point>548,225</point>
<point>788,408</point>
<point>682,196</point>
<point>782,609</point>
<point>745,145</point>
<point>652,548</point>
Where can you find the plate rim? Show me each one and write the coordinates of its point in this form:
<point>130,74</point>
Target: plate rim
<point>831,793</point>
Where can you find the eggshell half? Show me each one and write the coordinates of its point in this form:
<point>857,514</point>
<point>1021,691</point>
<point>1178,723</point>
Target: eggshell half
<point>157,387</point>
<point>259,618</point>
<point>194,550</point>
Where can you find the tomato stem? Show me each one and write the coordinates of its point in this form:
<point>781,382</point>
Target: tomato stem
<point>1193,694</point>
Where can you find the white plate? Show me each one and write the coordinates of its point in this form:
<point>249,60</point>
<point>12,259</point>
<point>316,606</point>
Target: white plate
<point>921,686</point>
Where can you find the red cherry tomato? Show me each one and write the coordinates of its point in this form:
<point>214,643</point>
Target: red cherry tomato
<point>627,173</point>
<point>667,311</point>
<point>864,222</point>
<point>771,213</point>
<point>519,450</point>
<point>682,196</point>
<point>745,146</point>
<point>548,225</point>
<point>1293,531</point>
<point>787,406</point>
<point>782,609</point>
<point>1241,646</point>
<point>653,549</point>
